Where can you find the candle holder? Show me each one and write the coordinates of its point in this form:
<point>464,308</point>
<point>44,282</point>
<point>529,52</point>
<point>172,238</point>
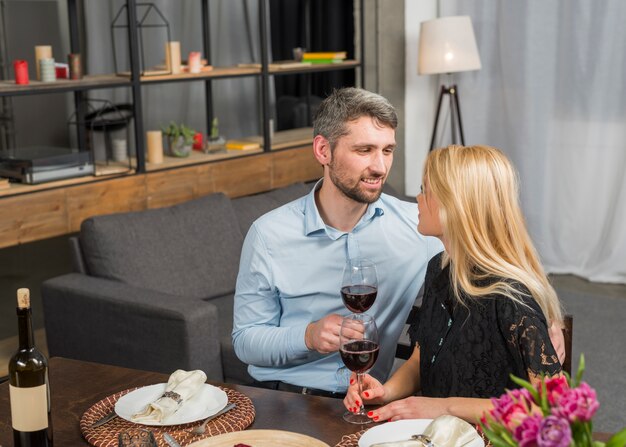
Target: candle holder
<point>150,18</point>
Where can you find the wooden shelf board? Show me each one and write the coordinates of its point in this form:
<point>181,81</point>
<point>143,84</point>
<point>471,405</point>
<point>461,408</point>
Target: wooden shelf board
<point>316,67</point>
<point>63,84</point>
<point>285,139</point>
<point>197,157</point>
<point>216,72</point>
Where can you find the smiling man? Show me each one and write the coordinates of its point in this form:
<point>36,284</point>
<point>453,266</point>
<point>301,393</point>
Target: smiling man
<point>288,309</point>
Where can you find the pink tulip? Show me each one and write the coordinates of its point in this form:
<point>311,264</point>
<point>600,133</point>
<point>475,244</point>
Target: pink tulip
<point>512,408</point>
<point>526,433</point>
<point>556,387</point>
<point>577,404</point>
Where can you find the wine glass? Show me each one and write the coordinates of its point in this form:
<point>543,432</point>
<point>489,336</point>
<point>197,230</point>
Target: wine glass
<point>358,341</point>
<point>359,285</point>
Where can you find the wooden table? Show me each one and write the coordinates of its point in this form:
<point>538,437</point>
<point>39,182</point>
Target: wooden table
<point>75,386</point>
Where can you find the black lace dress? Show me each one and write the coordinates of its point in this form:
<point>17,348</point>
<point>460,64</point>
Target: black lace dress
<point>470,351</point>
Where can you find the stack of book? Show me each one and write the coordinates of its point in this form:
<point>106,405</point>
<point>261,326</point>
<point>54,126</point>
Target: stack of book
<point>324,57</point>
<point>242,145</point>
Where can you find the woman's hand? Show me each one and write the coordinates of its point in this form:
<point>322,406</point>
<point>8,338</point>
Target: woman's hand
<point>414,407</point>
<point>373,393</point>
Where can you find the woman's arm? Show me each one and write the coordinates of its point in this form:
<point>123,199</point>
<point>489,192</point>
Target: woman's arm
<point>418,407</point>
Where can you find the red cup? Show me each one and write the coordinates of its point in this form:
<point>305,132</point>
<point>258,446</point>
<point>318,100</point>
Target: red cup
<point>21,71</point>
<point>197,141</point>
<point>62,71</point>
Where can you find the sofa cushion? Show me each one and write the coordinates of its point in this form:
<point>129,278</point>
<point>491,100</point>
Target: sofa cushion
<point>250,208</point>
<point>191,249</point>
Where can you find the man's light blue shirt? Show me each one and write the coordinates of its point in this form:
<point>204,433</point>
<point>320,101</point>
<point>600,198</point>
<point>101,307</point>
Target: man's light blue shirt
<point>290,275</point>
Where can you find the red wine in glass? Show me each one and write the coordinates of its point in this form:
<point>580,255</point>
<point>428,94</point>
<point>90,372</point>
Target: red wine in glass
<point>359,298</point>
<point>359,285</point>
<point>358,341</point>
<point>359,356</point>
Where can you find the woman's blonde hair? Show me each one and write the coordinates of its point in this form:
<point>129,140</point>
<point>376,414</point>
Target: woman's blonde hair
<point>483,226</point>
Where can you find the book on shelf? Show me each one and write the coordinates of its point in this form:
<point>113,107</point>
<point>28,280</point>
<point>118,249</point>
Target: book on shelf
<point>327,55</point>
<point>326,61</point>
<point>242,145</point>
<point>276,65</point>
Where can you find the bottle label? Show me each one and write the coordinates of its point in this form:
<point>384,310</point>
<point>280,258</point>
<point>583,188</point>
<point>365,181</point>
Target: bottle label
<point>29,408</point>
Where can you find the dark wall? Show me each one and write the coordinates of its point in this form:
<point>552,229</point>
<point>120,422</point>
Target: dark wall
<point>38,119</point>
<point>324,25</point>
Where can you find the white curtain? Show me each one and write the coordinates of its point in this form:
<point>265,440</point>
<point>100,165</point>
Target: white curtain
<point>551,94</point>
<point>234,39</point>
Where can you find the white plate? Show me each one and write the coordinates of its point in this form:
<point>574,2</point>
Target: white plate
<point>400,431</point>
<point>206,402</point>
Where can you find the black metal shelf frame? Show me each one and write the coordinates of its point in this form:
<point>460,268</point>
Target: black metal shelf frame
<point>135,83</point>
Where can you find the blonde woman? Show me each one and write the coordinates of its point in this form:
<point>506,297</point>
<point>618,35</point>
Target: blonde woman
<point>486,302</point>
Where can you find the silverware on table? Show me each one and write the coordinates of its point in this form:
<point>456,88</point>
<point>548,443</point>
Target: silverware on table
<point>420,440</point>
<point>169,439</point>
<point>201,429</point>
<point>103,420</point>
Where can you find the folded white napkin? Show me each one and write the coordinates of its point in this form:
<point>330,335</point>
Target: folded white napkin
<point>451,431</point>
<point>444,431</point>
<point>181,386</point>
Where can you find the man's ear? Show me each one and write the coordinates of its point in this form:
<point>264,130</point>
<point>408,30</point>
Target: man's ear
<point>321,150</point>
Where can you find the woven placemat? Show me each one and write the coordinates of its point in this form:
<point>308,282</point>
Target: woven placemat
<point>351,440</point>
<point>238,418</point>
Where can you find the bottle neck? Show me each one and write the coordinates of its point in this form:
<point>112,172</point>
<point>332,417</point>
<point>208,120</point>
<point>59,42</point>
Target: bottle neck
<point>25,328</point>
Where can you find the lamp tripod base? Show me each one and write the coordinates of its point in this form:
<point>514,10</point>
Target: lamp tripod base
<point>456,124</point>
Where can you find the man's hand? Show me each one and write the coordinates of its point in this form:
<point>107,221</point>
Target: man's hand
<point>558,341</point>
<point>323,335</point>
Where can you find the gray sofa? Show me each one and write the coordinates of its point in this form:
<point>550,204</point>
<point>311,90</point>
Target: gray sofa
<point>154,289</point>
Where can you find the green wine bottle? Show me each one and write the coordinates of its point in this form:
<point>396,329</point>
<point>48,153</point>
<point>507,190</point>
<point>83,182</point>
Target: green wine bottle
<point>28,384</point>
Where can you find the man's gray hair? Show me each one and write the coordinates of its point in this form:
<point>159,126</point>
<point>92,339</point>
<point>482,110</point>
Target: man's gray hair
<point>348,104</point>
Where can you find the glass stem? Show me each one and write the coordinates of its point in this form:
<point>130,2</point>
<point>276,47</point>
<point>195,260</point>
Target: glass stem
<point>359,378</point>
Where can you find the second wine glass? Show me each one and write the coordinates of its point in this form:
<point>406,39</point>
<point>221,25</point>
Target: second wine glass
<point>358,346</point>
<point>359,285</point>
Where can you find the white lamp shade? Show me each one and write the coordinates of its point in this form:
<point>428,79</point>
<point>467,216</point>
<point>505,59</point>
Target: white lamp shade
<point>447,45</point>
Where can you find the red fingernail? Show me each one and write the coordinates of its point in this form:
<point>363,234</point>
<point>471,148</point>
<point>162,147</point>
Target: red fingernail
<point>366,394</point>
<point>351,381</point>
<point>388,420</point>
<point>375,418</point>
<point>358,404</point>
<point>370,413</point>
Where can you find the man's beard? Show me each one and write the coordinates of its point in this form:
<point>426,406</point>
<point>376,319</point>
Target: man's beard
<point>355,193</point>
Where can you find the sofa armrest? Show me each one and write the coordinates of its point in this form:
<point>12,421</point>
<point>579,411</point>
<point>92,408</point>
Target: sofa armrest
<point>107,321</point>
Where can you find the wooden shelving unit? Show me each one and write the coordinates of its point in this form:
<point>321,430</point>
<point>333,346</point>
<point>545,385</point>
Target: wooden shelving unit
<point>33,212</point>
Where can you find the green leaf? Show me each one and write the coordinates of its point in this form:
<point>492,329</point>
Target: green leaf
<point>506,436</point>
<point>581,370</point>
<point>494,436</point>
<point>618,439</point>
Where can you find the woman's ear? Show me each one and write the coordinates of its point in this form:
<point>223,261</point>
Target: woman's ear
<point>321,150</point>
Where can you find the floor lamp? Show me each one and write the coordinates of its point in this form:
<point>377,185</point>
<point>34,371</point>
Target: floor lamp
<point>447,45</point>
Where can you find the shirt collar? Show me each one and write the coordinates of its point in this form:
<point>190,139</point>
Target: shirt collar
<point>313,222</point>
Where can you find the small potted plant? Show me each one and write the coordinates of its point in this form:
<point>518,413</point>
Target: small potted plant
<point>179,138</point>
<point>215,142</point>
